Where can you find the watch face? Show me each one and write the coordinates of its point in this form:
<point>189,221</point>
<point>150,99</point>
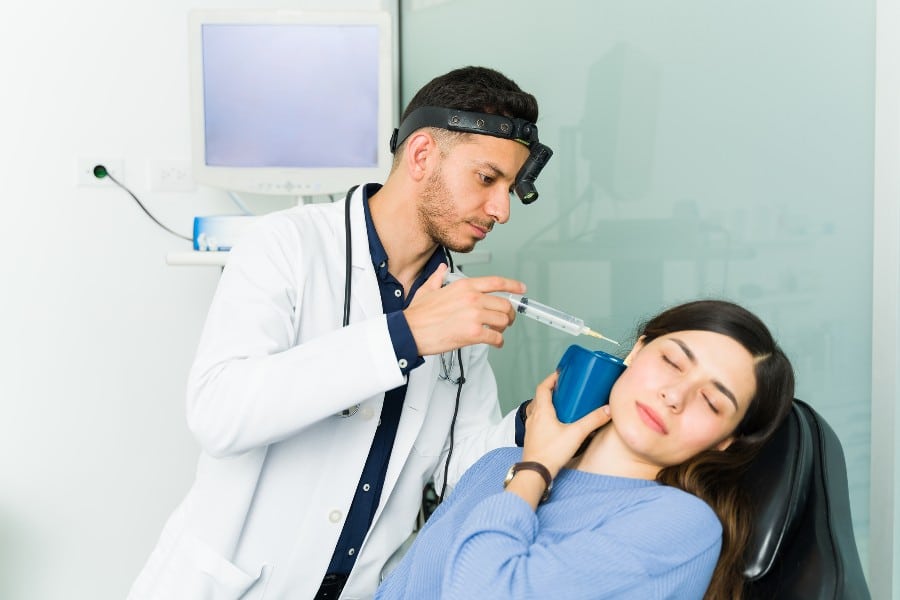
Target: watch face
<point>516,467</point>
<point>509,476</point>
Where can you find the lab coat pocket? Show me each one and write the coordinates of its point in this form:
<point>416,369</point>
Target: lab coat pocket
<point>214,577</point>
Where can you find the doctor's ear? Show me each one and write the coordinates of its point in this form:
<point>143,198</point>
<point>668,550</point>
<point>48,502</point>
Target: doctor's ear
<point>421,147</point>
<point>637,348</point>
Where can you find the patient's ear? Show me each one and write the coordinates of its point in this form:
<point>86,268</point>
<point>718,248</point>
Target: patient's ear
<point>725,443</point>
<point>637,348</point>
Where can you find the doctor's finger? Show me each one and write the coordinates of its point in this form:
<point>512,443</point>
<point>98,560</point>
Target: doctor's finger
<point>498,321</point>
<point>498,304</point>
<point>495,283</point>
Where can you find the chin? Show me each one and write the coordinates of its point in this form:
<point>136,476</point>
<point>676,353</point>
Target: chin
<point>458,247</point>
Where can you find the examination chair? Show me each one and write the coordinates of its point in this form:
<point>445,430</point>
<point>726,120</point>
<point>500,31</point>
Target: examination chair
<point>803,546</point>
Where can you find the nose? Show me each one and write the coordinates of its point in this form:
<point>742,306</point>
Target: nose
<point>497,207</point>
<point>672,396</point>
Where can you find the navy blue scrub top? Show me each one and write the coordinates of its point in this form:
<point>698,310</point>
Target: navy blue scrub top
<point>371,482</point>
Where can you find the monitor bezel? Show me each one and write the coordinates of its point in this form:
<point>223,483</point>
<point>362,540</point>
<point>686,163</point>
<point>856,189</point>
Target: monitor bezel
<point>291,181</point>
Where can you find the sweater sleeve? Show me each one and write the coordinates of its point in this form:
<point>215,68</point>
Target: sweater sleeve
<point>644,552</point>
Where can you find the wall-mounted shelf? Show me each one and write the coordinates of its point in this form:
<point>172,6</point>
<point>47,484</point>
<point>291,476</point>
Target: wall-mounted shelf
<point>195,258</point>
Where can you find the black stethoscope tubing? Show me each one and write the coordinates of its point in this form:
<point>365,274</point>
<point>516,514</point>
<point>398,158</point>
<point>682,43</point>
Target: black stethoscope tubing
<point>349,251</point>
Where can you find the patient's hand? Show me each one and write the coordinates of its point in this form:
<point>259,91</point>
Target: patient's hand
<point>548,440</point>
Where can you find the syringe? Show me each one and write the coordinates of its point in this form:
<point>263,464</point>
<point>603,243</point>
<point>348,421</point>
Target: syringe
<point>542,313</point>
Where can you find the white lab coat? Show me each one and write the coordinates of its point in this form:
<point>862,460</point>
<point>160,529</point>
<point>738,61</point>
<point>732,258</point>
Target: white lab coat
<point>278,468</point>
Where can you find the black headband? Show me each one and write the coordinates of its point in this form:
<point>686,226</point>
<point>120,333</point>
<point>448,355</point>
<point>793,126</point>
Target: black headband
<point>510,128</point>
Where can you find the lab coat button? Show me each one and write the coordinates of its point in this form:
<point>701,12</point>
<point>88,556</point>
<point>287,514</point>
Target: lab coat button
<point>367,413</point>
<point>351,551</point>
<point>335,516</point>
<point>402,363</point>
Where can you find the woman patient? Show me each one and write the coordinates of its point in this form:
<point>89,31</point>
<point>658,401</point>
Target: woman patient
<point>645,499</point>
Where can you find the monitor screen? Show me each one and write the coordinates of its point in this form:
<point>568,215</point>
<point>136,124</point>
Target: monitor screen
<point>291,103</point>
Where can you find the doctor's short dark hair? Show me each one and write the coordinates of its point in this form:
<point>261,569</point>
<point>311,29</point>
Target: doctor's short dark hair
<point>473,89</point>
<point>476,89</point>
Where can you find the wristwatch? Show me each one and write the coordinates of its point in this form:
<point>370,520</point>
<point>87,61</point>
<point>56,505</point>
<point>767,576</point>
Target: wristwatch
<point>531,466</point>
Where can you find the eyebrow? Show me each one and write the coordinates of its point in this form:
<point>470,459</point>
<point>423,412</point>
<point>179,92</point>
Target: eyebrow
<point>498,172</point>
<point>719,385</point>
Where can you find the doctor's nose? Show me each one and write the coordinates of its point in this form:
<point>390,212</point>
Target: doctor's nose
<point>497,206</point>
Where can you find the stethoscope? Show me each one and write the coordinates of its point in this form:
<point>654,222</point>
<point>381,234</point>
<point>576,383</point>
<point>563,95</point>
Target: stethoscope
<point>446,365</point>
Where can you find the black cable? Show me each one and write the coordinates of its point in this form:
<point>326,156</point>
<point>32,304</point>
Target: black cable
<point>100,172</point>
<point>399,39</point>
<point>462,380</point>
<point>349,266</point>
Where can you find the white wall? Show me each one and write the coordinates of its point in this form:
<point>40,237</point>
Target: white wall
<point>96,332</point>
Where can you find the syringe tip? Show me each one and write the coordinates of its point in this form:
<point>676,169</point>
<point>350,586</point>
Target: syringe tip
<point>590,331</point>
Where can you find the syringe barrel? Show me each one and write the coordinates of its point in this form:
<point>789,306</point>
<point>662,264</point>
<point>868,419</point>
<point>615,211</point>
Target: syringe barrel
<point>545,314</point>
<point>535,310</point>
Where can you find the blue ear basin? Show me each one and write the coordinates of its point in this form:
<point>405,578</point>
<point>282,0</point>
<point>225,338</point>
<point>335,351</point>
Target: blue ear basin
<point>585,380</point>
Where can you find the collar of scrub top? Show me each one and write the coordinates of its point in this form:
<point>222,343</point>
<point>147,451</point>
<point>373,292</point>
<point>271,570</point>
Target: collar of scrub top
<point>511,128</point>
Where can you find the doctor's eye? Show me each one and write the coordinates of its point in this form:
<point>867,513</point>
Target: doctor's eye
<point>485,179</point>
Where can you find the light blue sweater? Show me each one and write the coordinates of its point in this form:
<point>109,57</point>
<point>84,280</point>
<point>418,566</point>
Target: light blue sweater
<point>597,537</point>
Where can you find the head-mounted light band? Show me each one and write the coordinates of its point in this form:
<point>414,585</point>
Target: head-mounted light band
<point>511,128</point>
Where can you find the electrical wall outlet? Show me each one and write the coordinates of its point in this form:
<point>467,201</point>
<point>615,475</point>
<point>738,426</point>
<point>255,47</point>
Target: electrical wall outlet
<point>85,171</point>
<point>170,176</point>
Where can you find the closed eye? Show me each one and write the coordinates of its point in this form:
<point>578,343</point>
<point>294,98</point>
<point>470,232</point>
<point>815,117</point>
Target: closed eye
<point>711,404</point>
<point>670,362</point>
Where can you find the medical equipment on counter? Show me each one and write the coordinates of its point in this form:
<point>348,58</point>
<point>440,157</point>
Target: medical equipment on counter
<point>218,233</point>
<point>542,313</point>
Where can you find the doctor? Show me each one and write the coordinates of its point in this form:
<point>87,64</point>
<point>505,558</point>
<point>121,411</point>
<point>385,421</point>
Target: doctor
<point>335,376</point>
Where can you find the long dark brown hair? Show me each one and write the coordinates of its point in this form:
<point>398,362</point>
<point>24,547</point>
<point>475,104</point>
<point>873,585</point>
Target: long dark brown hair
<point>714,476</point>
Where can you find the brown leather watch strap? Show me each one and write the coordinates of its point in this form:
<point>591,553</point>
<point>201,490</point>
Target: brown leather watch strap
<point>531,466</point>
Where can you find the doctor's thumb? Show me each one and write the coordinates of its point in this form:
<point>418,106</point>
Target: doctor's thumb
<point>436,280</point>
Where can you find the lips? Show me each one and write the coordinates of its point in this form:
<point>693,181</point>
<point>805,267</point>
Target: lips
<point>651,419</point>
<point>480,232</point>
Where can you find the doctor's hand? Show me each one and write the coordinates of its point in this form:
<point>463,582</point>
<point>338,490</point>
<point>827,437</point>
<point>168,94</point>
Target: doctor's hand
<point>462,313</point>
<point>550,441</point>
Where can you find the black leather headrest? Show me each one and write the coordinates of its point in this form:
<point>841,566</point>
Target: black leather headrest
<point>778,482</point>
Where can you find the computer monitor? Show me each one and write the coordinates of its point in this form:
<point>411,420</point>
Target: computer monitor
<point>291,102</point>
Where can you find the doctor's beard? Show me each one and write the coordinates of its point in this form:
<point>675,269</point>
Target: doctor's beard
<point>438,216</point>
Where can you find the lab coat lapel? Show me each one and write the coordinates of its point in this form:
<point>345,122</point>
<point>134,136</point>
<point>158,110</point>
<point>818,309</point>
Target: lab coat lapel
<point>366,298</point>
<point>419,392</point>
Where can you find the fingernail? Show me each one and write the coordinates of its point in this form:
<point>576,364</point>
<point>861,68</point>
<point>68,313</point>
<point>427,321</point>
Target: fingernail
<point>606,408</point>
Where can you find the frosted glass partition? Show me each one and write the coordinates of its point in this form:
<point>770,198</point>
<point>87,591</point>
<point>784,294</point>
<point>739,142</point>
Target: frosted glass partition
<point>702,149</point>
